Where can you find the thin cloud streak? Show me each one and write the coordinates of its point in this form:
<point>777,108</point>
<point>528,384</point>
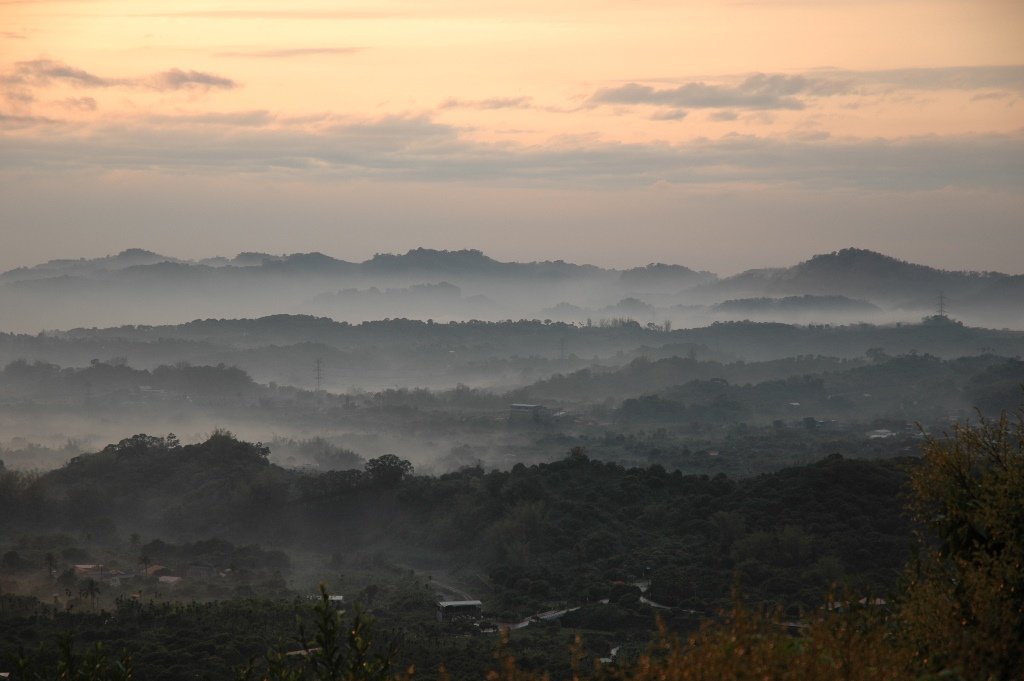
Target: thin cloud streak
<point>176,79</point>
<point>1008,76</point>
<point>257,118</point>
<point>79,103</point>
<point>46,72</point>
<point>269,14</point>
<point>402,149</point>
<point>778,91</point>
<point>9,122</point>
<point>19,84</point>
<point>294,52</point>
<point>43,72</point>
<point>759,91</point>
<point>492,103</point>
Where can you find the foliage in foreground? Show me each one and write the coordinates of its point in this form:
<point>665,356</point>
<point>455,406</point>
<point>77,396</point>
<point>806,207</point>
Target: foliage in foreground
<point>961,615</point>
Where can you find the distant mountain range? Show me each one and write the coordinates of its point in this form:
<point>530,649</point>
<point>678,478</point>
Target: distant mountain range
<point>419,263</point>
<point>139,286</point>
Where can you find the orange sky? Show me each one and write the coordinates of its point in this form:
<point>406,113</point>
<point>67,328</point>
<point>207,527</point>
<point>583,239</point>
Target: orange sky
<point>562,105</point>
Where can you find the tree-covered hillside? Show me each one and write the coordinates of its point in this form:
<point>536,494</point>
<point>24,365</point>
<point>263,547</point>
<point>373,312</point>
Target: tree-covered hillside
<point>543,534</point>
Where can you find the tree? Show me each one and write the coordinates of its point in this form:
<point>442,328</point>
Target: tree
<point>12,560</point>
<point>90,589</point>
<point>388,470</point>
<point>964,609</point>
<point>338,650</point>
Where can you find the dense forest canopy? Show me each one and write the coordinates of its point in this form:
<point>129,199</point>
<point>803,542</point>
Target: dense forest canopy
<point>586,533</point>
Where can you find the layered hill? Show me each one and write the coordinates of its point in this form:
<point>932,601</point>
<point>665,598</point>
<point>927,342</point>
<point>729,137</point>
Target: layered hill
<point>138,286</point>
<point>569,528</point>
<point>864,274</point>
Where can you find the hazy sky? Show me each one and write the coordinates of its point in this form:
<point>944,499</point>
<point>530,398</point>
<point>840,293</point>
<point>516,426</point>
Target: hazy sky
<point>720,135</point>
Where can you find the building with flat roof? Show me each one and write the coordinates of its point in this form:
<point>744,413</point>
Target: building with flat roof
<point>527,413</point>
<point>451,611</point>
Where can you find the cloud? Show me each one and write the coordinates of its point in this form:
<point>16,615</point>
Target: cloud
<point>1010,77</point>
<point>8,122</point>
<point>257,118</point>
<point>18,96</point>
<point>43,72</point>
<point>982,96</point>
<point>419,149</point>
<point>724,115</point>
<point>668,115</point>
<point>759,91</point>
<point>493,103</point>
<point>79,103</point>
<point>271,14</point>
<point>176,79</point>
<point>293,52</point>
<point>768,92</point>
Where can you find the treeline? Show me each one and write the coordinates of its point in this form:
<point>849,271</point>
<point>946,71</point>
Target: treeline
<point>283,348</point>
<point>912,387</point>
<point>22,380</point>
<point>550,533</point>
<point>958,612</point>
<point>673,389</point>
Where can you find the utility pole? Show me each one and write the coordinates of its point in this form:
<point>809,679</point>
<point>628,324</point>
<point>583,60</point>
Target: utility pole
<point>319,373</point>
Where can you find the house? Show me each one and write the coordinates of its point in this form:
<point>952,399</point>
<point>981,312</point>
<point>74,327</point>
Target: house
<point>335,601</point>
<point>200,571</point>
<point>115,577</point>
<point>527,413</point>
<point>157,570</point>
<point>94,571</point>
<point>452,611</point>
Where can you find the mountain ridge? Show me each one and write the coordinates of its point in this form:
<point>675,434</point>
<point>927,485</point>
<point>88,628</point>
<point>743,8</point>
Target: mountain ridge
<point>849,260</point>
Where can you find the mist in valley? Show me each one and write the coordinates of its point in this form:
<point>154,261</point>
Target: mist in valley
<point>511,341</point>
<point>402,430</point>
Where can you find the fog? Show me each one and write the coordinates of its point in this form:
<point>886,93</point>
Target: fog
<point>439,424</point>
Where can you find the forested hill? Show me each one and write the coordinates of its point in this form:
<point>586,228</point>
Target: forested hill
<point>274,347</point>
<point>564,531</point>
<point>860,273</point>
<point>868,386</point>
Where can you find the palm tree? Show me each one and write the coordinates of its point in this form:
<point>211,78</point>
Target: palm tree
<point>144,559</point>
<point>51,563</point>
<point>90,590</point>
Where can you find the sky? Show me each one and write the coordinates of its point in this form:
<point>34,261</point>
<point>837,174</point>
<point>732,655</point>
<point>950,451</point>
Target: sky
<point>718,135</point>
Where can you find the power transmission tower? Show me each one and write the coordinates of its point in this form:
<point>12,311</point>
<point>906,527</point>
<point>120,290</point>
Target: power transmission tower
<point>319,373</point>
<point>942,304</point>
